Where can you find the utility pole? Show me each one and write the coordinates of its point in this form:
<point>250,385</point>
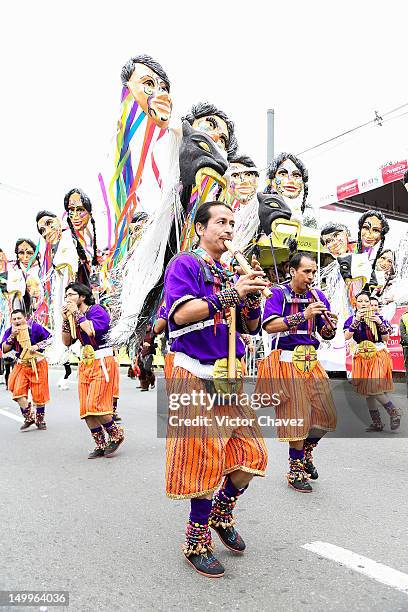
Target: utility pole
<point>270,151</point>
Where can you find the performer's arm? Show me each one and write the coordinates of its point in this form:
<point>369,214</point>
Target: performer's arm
<point>159,326</point>
<point>351,325</point>
<point>67,340</point>
<point>8,343</point>
<point>383,327</point>
<point>279,324</point>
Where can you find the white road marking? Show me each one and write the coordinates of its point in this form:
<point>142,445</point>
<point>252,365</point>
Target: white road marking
<point>377,571</point>
<point>10,415</point>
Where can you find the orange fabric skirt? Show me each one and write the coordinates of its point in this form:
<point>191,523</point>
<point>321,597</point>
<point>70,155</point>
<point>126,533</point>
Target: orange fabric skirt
<point>372,376</point>
<point>116,381</point>
<point>305,397</point>
<point>95,392</point>
<point>198,457</point>
<point>22,380</point>
<point>168,365</point>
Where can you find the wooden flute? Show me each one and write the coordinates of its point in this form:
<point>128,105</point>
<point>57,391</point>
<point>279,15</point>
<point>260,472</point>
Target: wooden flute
<point>241,259</point>
<point>324,314</point>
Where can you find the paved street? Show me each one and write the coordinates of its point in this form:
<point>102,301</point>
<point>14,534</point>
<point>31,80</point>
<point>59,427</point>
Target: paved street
<point>104,530</point>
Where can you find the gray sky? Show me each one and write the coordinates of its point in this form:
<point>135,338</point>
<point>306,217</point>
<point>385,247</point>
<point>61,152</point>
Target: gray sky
<point>324,67</point>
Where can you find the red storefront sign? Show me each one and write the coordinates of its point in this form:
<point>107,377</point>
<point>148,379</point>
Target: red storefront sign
<point>347,190</point>
<point>394,172</point>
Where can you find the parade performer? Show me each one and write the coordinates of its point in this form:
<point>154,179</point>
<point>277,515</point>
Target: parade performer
<point>200,295</point>
<point>372,365</point>
<point>28,339</point>
<point>26,268</point>
<point>147,351</point>
<point>89,323</point>
<point>294,315</point>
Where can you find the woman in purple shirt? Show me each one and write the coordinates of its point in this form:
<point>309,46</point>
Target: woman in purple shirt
<point>372,365</point>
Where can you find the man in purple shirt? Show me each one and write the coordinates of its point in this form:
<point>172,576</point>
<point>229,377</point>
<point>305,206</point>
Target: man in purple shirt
<point>97,370</point>
<point>296,316</point>
<point>199,295</point>
<point>28,339</point>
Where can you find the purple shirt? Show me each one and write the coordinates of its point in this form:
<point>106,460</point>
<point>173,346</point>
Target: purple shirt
<point>100,321</point>
<point>363,332</point>
<point>276,306</point>
<point>37,334</point>
<point>184,281</point>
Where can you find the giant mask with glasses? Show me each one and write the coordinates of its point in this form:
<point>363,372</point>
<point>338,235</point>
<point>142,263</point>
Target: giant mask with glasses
<point>244,179</point>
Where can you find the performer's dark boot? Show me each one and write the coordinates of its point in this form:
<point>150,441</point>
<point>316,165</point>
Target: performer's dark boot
<point>221,517</point>
<point>116,417</point>
<point>99,437</point>
<point>394,414</point>
<point>377,424</point>
<point>297,476</point>
<point>310,468</point>
<point>116,437</point>
<point>39,417</point>
<point>198,547</point>
<point>28,417</point>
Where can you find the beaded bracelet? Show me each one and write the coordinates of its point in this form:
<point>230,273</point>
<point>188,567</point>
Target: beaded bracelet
<point>354,325</point>
<point>294,319</point>
<point>253,300</point>
<point>229,297</point>
<point>65,327</point>
<point>383,329</point>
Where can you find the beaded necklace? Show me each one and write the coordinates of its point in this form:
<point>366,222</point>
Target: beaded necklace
<point>222,278</point>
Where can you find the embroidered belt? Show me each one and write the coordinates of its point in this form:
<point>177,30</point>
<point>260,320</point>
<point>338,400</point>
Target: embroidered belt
<point>89,355</point>
<point>303,357</point>
<point>217,372</point>
<point>194,327</point>
<point>368,350</point>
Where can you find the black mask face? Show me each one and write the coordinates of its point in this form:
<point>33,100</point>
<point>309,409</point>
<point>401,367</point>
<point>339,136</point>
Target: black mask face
<point>198,151</point>
<point>271,207</point>
<point>344,262</point>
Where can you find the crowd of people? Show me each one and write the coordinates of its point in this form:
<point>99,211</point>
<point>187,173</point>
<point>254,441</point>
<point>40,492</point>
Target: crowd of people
<point>182,258</point>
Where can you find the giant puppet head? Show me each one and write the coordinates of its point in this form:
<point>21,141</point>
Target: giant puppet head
<point>288,176</point>
<point>198,151</point>
<point>25,250</point>
<point>244,178</point>
<point>150,87</point>
<point>49,227</point>
<point>207,118</point>
<point>79,208</point>
<point>271,207</point>
<point>372,229</point>
<point>335,237</point>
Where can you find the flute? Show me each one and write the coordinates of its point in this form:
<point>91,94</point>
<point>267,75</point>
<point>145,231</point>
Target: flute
<point>72,326</point>
<point>324,314</point>
<point>241,259</point>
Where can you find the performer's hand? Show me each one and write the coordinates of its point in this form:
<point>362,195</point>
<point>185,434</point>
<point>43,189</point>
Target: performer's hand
<point>72,307</point>
<point>314,309</point>
<point>250,283</point>
<point>33,349</point>
<point>359,314</point>
<point>376,319</point>
<point>64,311</point>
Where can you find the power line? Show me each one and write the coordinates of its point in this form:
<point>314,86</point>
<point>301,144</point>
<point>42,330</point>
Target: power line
<point>377,119</point>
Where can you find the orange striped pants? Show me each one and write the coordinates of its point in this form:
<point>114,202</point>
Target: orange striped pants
<point>372,376</point>
<point>306,397</point>
<point>198,457</point>
<point>22,380</point>
<point>95,392</point>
